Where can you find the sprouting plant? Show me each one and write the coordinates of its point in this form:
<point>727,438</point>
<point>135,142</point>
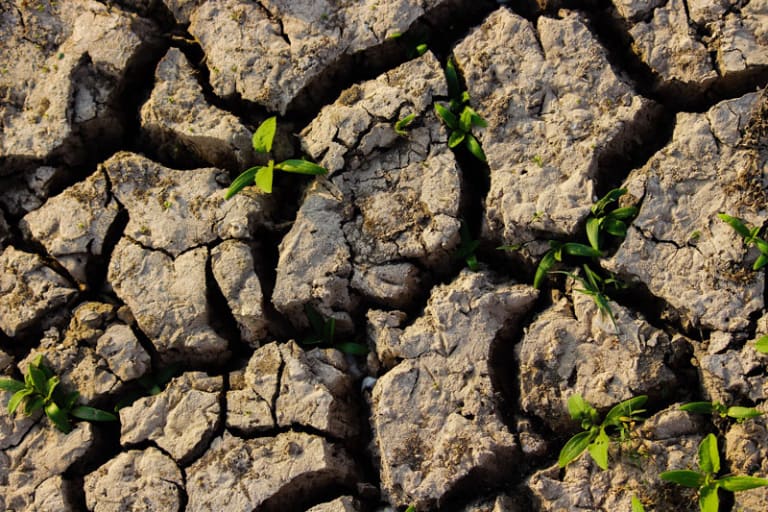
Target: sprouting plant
<point>458,116</point>
<point>736,412</point>
<point>410,508</point>
<point>612,221</point>
<point>262,176</point>
<point>706,480</point>
<point>40,390</point>
<point>597,435</point>
<point>750,238</point>
<point>761,345</point>
<point>324,333</point>
<point>637,505</point>
<point>555,255</point>
<point>594,286</point>
<point>402,124</point>
<point>467,248</point>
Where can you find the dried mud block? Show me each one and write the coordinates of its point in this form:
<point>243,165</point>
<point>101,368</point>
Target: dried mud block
<point>13,427</point>
<point>181,419</point>
<point>746,454</point>
<point>73,225</point>
<point>61,84</point>
<point>268,472</point>
<point>180,123</point>
<point>556,110</point>
<point>174,211</point>
<point>168,299</point>
<point>135,480</point>
<point>270,52</point>
<point>286,386</point>
<point>26,191</point>
<point>677,246</point>
<point>445,380</point>
<point>45,452</point>
<point>232,263</point>
<point>669,440</point>
<point>29,291</point>
<point>571,348</point>
<point>56,495</point>
<point>390,207</point>
<point>342,504</point>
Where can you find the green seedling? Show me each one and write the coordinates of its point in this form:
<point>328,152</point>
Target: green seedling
<point>706,480</point>
<point>594,286</point>
<point>40,390</point>
<point>637,506</point>
<point>467,248</point>
<point>324,333</point>
<point>555,255</point>
<point>402,124</point>
<point>262,176</point>
<point>736,412</point>
<point>604,220</point>
<point>597,435</point>
<point>458,116</point>
<point>761,345</point>
<point>410,508</point>
<point>750,238</point>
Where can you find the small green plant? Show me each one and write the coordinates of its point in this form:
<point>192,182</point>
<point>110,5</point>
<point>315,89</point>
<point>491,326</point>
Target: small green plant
<point>324,333</point>
<point>458,116</point>
<point>735,412</point>
<point>402,124</point>
<point>597,435</point>
<point>761,345</point>
<point>637,505</point>
<point>40,390</point>
<point>750,238</point>
<point>605,220</point>
<point>467,248</point>
<point>410,508</point>
<point>706,480</point>
<point>555,255</point>
<point>594,286</point>
<point>262,176</point>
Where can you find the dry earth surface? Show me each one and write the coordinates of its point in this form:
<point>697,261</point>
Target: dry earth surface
<point>122,123</point>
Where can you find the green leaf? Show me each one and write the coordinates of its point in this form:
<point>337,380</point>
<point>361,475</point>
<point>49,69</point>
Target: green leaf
<point>301,167</point>
<point>70,400</point>
<point>761,345</point>
<point>465,120</point>
<point>265,135</point>
<point>637,506</point>
<point>627,408</point>
<point>698,407</point>
<point>742,413</point>
<point>472,263</point>
<point>355,349</point>
<point>611,196</point>
<point>58,417</point>
<point>582,250</point>
<point>51,387</point>
<point>410,508</point>
<point>684,477</point>
<point>14,385</point>
<point>33,405</point>
<point>401,124</point>
<point>736,224</point>
<point>92,414</point>
<point>545,265</point>
<point>474,147</point>
<point>615,227</point>
<point>452,79</point>
<point>599,449</point>
<point>264,177</point>
<point>574,447</point>
<point>760,262</point>
<point>708,499</point>
<point>448,117</point>
<point>18,398</point>
<point>578,408</point>
<point>476,119</point>
<point>624,213</point>
<point>246,178</point>
<point>761,244</point>
<point>421,49</point>
<point>456,138</point>
<point>38,379</point>
<point>742,483</point>
<point>315,319</point>
<point>593,232</point>
<point>709,457</point>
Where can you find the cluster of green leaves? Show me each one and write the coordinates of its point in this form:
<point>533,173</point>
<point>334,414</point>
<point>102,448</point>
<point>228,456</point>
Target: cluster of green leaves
<point>555,255</point>
<point>467,248</point>
<point>597,435</point>
<point>262,176</point>
<point>594,286</point>
<point>735,412</point>
<point>40,390</point>
<point>458,116</point>
<point>706,480</point>
<point>324,333</point>
<point>749,234</point>
<point>605,219</point>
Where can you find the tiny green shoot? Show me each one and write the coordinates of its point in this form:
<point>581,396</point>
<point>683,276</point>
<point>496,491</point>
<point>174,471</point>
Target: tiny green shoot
<point>750,238</point>
<point>324,333</point>
<point>761,345</point>
<point>402,124</point>
<point>467,248</point>
<point>555,255</point>
<point>637,505</point>
<point>594,286</point>
<point>604,220</point>
<point>735,412</point>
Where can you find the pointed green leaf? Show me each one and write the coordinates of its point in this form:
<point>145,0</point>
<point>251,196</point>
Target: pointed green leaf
<point>263,178</point>
<point>58,417</point>
<point>578,408</point>
<point>761,345</point>
<point>742,413</point>
<point>708,499</point>
<point>626,408</point>
<point>574,447</point>
<point>38,379</point>
<point>624,213</point>
<point>265,135</point>
<point>14,385</point>
<point>698,407</point>
<point>402,123</point>
<point>18,398</point>
<point>582,250</point>
<point>736,224</point>
<point>92,414</point>
<point>760,262</point>
<point>465,120</point>
<point>684,477</point>
<point>615,227</point>
<point>329,330</point>
<point>476,119</point>
<point>474,147</point>
<point>709,457</point>
<point>33,404</point>
<point>545,265</point>
<point>70,400</point>
<point>637,505</point>
<point>452,79</point>
<point>598,449</point>
<point>599,207</point>
<point>242,181</point>
<point>593,232</point>
<point>447,116</point>
<point>472,263</point>
<point>51,387</point>
<point>456,138</point>
<point>355,349</point>
<point>421,49</point>
<point>301,167</point>
<point>742,483</point>
<point>761,244</point>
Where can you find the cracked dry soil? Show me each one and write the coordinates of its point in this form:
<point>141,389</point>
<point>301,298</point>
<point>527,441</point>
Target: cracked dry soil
<point>122,122</point>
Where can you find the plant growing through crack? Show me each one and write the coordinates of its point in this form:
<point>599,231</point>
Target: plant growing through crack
<point>40,390</point>
<point>598,435</point>
<point>151,384</point>
<point>324,333</point>
<point>735,412</point>
<point>706,480</point>
<point>604,220</point>
<point>750,238</point>
<point>262,176</point>
<point>555,255</point>
<point>458,116</point>
<point>594,287</point>
<point>467,248</point>
<point>402,124</point>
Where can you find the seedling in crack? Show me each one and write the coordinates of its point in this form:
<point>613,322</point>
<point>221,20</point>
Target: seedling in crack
<point>40,390</point>
<point>761,345</point>
<point>604,220</point>
<point>458,116</point>
<point>467,248</point>
<point>262,176</point>
<point>706,480</point>
<point>735,412</point>
<point>151,384</point>
<point>402,124</point>
<point>594,286</point>
<point>750,238</point>
<point>324,333</point>
<point>555,255</point>
<point>597,435</point>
